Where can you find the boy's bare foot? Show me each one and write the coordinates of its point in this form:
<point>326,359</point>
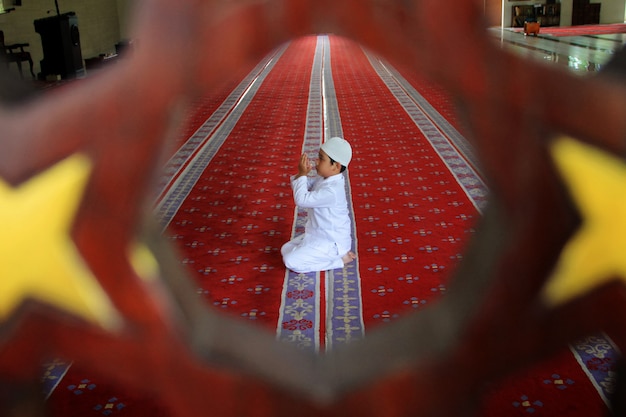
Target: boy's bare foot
<point>348,257</point>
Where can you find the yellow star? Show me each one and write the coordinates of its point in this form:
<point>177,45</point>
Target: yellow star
<point>597,252</point>
<point>143,261</point>
<point>40,260</point>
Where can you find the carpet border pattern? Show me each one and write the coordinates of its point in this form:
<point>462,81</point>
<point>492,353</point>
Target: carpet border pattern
<point>344,322</point>
<point>187,165</point>
<point>451,147</point>
<point>299,316</point>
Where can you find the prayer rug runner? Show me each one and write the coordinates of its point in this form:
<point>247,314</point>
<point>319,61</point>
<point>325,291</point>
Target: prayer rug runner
<point>202,108</point>
<point>301,313</point>
<point>414,193</point>
<point>412,215</point>
<point>233,222</point>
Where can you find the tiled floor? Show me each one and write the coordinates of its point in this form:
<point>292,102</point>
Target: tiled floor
<point>580,54</point>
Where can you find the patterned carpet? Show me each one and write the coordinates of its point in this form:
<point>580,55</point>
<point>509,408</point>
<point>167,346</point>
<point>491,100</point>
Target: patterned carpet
<point>416,192</point>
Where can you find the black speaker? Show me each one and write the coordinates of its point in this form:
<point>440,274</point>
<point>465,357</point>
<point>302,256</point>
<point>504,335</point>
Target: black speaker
<point>60,41</point>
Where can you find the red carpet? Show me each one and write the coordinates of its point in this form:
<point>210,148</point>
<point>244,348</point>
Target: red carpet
<point>82,394</point>
<point>237,216</point>
<point>415,197</point>
<point>582,30</point>
<point>555,387</point>
<point>412,216</point>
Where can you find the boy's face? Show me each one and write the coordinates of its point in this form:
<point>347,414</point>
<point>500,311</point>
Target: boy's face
<point>324,166</point>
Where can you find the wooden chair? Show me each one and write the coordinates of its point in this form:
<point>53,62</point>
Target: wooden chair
<point>15,53</point>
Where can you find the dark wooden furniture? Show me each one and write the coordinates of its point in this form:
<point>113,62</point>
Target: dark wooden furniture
<point>60,41</point>
<point>548,14</point>
<point>15,53</point>
<point>585,13</point>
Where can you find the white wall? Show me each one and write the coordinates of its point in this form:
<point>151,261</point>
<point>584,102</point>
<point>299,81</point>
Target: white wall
<point>612,11</point>
<point>124,10</point>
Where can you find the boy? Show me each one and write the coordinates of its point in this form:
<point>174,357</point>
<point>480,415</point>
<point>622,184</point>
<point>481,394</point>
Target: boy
<point>326,241</point>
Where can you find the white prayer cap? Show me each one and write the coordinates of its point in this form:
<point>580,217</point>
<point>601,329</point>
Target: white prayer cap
<point>339,149</point>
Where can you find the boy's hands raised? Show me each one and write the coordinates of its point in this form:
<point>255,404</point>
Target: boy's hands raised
<point>304,166</point>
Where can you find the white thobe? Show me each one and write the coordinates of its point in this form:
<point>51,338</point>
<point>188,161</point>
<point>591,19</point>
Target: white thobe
<point>327,233</point>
